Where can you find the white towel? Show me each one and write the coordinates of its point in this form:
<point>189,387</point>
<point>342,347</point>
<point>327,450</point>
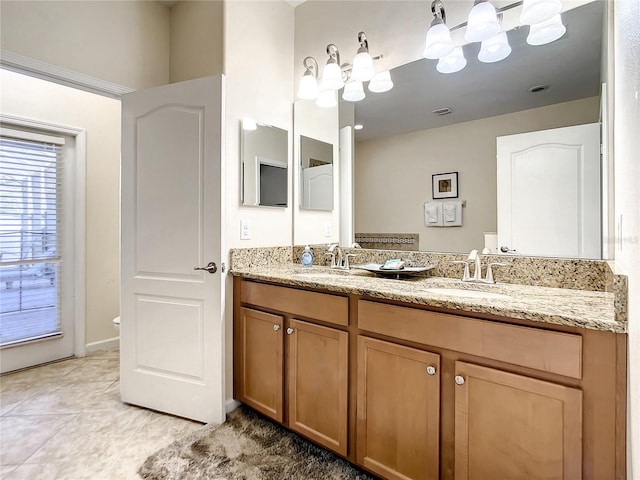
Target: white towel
<point>452,213</point>
<point>433,214</point>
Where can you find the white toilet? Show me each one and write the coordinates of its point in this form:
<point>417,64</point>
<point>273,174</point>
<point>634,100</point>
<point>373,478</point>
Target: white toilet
<point>116,323</point>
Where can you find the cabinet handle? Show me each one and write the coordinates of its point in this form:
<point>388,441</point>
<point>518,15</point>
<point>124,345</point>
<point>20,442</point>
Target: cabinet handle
<point>431,370</point>
<point>276,327</point>
<point>289,331</point>
<point>459,379</point>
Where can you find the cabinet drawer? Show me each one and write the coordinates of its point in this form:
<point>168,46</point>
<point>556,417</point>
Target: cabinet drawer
<point>553,352</point>
<point>320,306</point>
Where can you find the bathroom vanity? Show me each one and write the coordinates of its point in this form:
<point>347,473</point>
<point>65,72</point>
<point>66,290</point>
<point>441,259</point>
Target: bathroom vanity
<point>418,379</point>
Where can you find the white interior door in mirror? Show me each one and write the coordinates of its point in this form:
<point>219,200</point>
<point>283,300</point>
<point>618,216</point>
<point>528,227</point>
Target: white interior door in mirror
<point>317,187</point>
<point>549,192</point>
<point>171,334</point>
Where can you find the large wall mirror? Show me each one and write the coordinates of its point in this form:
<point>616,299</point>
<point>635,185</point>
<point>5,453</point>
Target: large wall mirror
<point>403,144</point>
<point>265,173</point>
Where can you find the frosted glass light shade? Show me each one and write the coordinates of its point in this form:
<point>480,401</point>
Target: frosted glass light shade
<point>327,98</point>
<point>332,76</point>
<point>482,22</point>
<point>353,92</point>
<point>362,70</point>
<point>454,62</point>
<point>495,48</point>
<point>308,89</point>
<point>381,82</point>
<point>546,32</point>
<point>438,43</point>
<point>536,11</point>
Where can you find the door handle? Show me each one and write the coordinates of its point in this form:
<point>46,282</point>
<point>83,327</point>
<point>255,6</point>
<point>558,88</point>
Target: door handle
<point>211,267</point>
<point>505,249</point>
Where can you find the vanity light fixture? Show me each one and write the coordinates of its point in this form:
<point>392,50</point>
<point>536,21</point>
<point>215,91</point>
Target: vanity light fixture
<point>546,32</point>
<point>309,84</point>
<point>362,70</point>
<point>332,72</point>
<point>336,76</point>
<point>495,48</point>
<point>482,22</point>
<point>438,43</point>
<point>537,11</point>
<point>454,62</point>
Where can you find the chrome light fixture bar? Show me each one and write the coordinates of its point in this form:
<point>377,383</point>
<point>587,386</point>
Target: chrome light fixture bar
<point>483,25</point>
<point>336,76</point>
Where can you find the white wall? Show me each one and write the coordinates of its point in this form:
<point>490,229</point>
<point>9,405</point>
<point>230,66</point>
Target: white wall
<point>627,197</point>
<point>196,39</point>
<point>124,42</point>
<point>393,174</point>
<point>258,55</point>
<point>100,116</point>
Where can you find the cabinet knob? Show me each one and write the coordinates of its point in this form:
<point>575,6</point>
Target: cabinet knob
<point>459,379</point>
<point>289,331</point>
<point>431,370</point>
<point>276,327</point>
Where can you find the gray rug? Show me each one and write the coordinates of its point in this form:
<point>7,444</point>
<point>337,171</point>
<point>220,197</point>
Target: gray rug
<point>247,447</point>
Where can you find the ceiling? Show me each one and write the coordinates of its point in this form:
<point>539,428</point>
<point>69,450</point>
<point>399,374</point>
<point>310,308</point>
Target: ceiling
<point>570,67</point>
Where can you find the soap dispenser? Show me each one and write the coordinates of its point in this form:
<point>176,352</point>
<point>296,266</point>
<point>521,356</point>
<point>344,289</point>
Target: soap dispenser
<point>307,257</point>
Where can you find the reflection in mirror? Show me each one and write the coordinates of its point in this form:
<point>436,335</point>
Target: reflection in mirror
<point>316,174</point>
<point>402,144</point>
<point>264,166</point>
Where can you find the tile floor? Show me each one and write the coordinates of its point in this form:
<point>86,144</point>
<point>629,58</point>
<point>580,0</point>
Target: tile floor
<point>65,421</point>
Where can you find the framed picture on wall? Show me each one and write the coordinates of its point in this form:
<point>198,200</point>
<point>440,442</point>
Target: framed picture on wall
<point>444,185</point>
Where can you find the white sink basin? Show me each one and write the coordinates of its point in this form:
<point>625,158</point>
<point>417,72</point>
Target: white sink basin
<point>463,293</point>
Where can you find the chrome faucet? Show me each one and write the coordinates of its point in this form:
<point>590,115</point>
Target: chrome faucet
<point>476,258</point>
<point>338,258</point>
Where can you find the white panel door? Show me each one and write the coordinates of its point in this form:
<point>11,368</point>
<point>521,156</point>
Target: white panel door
<point>549,192</point>
<point>171,333</point>
<point>318,187</point>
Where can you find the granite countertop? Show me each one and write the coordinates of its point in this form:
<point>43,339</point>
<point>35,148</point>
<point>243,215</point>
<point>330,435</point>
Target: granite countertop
<point>559,306</point>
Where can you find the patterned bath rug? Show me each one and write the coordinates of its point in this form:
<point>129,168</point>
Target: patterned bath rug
<point>247,447</point>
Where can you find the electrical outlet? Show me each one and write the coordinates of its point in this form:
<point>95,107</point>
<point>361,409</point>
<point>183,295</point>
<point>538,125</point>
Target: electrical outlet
<point>327,229</point>
<point>245,230</point>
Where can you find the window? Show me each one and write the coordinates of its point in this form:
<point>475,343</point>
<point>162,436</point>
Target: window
<point>31,179</point>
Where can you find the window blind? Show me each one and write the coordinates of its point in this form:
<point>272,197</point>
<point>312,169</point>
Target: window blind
<point>31,216</point>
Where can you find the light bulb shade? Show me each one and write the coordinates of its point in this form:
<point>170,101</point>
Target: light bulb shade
<point>308,89</point>
<point>381,82</point>
<point>536,11</point>
<point>454,62</point>
<point>495,48</point>
<point>332,76</point>
<point>438,43</point>
<point>546,32</point>
<point>353,92</point>
<point>482,22</point>
<point>362,70</point>
<point>327,98</point>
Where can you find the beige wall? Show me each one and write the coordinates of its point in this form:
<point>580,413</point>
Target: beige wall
<point>393,175</point>
<point>627,197</point>
<point>196,39</point>
<point>124,42</point>
<point>100,116</point>
<point>258,54</point>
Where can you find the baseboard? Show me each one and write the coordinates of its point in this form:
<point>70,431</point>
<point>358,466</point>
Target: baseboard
<point>109,344</point>
<point>231,405</point>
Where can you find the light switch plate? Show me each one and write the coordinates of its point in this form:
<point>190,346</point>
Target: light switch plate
<point>327,229</point>
<point>245,230</point>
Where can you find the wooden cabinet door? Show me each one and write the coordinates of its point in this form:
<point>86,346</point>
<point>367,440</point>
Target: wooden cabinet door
<point>260,365</point>
<point>515,427</point>
<point>398,415</point>
<point>317,363</point>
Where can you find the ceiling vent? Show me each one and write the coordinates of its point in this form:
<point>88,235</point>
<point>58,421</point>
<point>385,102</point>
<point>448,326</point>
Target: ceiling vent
<point>442,111</point>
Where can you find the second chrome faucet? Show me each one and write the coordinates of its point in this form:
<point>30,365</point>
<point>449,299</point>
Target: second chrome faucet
<point>476,258</point>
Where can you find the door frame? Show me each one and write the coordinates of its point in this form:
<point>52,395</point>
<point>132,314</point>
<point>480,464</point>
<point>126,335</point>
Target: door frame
<point>78,289</point>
